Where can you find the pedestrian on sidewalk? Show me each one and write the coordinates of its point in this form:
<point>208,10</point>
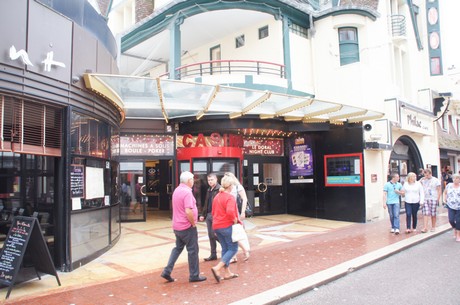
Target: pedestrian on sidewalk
<point>391,201</point>
<point>185,216</point>
<point>225,214</point>
<point>452,199</point>
<point>239,193</point>
<point>432,189</point>
<point>413,194</point>
<point>206,214</point>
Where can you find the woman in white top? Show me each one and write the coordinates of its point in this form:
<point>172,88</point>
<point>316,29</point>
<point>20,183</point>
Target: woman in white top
<point>414,197</point>
<point>452,198</point>
<point>238,189</point>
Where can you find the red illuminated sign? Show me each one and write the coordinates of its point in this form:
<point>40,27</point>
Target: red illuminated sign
<point>263,147</point>
<point>213,140</point>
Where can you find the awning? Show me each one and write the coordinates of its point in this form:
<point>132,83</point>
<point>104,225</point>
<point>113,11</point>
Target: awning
<point>165,99</point>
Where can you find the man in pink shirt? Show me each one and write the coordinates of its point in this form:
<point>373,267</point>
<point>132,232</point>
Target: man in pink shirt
<point>185,216</point>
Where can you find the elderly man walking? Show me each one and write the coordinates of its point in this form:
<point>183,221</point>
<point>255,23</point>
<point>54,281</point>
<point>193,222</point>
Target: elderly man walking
<point>185,216</point>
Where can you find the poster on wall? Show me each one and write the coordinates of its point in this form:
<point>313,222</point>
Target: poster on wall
<point>77,180</point>
<point>94,182</point>
<point>300,157</point>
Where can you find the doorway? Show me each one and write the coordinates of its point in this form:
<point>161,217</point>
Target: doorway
<point>215,56</point>
<point>145,186</point>
<point>265,185</point>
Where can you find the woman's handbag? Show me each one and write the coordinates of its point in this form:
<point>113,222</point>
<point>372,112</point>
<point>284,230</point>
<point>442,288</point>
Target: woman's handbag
<point>238,232</point>
<point>249,213</point>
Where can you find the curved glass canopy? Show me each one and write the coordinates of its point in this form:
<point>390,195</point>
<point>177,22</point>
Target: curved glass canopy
<point>165,99</point>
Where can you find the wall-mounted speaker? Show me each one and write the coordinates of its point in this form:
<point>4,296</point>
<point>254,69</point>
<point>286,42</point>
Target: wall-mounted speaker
<point>367,127</point>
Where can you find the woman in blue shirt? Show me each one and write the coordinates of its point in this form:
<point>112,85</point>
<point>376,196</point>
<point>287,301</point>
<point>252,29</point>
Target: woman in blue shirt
<point>391,201</point>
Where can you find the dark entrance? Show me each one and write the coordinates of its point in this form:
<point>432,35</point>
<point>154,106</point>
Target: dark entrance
<point>264,179</point>
<point>145,185</point>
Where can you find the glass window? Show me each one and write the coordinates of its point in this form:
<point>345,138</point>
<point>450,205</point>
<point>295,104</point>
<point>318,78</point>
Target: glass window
<point>200,166</point>
<point>97,175</point>
<point>273,174</point>
<point>184,166</point>
<point>89,136</point>
<point>263,32</point>
<point>348,45</point>
<point>435,66</point>
<point>239,41</point>
<point>445,122</point>
<point>344,170</point>
<point>221,167</point>
<point>298,30</point>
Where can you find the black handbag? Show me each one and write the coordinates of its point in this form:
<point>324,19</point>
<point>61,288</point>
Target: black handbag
<point>248,212</point>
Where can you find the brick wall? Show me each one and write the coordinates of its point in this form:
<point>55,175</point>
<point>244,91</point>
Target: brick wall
<point>103,6</point>
<point>144,8</point>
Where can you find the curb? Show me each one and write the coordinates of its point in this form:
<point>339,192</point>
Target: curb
<point>300,286</point>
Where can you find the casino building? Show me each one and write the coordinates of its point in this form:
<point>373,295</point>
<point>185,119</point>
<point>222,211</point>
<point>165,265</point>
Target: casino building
<point>288,95</point>
<point>290,98</point>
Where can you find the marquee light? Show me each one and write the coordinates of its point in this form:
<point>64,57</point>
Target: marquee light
<point>256,103</point>
<point>347,115</point>
<point>294,107</point>
<point>323,111</point>
<point>211,98</point>
<point>162,104</point>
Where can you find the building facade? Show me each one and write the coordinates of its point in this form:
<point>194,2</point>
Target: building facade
<point>311,103</point>
<point>56,136</point>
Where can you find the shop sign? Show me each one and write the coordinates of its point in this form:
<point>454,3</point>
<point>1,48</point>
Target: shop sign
<point>263,147</point>
<point>147,145</point>
<point>47,62</point>
<point>213,140</point>
<point>416,122</point>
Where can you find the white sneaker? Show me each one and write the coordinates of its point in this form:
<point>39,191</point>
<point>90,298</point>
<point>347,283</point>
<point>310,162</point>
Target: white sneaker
<point>397,231</point>
<point>392,230</point>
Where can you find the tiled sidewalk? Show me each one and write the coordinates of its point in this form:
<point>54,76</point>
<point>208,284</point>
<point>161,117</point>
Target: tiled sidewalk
<point>285,249</point>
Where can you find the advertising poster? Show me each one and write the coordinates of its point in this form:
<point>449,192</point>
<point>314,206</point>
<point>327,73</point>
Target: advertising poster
<point>300,157</point>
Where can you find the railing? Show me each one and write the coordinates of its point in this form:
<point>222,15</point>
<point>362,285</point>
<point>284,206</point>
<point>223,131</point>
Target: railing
<point>219,67</point>
<point>398,25</point>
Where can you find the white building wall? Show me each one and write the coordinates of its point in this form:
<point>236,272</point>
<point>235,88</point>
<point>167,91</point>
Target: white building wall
<point>268,49</point>
<point>388,69</point>
<point>362,84</point>
<point>301,61</point>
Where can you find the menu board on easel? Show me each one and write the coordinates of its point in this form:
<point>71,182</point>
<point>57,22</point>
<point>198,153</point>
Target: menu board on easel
<point>24,236</point>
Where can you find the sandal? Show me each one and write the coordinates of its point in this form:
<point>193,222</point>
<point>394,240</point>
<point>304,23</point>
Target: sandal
<point>216,276</point>
<point>424,231</point>
<point>233,276</point>
<point>246,256</point>
<point>408,231</point>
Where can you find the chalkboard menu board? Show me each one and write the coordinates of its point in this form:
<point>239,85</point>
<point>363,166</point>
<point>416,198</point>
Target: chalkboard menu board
<point>77,181</point>
<point>25,236</point>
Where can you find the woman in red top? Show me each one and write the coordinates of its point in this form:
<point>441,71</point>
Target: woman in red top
<point>224,215</point>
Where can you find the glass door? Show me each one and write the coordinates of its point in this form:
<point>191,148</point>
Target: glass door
<point>132,191</point>
<point>215,57</point>
<point>266,185</point>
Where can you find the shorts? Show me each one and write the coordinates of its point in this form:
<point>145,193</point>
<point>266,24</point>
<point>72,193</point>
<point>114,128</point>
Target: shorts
<point>429,207</point>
